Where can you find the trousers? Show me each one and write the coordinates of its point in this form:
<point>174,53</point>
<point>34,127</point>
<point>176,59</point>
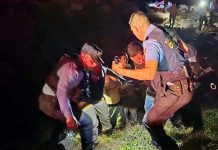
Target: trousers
<point>176,96</point>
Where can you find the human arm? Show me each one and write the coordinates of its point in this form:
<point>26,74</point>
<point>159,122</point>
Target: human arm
<point>67,79</point>
<point>152,56</point>
<point>49,105</point>
<point>147,73</point>
<point>184,46</point>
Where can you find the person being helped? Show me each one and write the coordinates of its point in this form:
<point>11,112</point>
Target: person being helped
<point>171,83</point>
<point>133,49</point>
<point>129,99</point>
<point>112,97</point>
<point>142,86</point>
<point>80,87</point>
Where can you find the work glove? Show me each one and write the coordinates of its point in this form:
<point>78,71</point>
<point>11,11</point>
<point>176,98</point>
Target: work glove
<point>72,123</point>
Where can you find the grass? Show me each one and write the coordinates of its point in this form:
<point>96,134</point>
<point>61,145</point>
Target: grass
<point>211,123</point>
<point>137,138</point>
<point>131,138</point>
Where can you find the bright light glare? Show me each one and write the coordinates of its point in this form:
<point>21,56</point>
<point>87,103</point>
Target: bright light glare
<point>203,4</point>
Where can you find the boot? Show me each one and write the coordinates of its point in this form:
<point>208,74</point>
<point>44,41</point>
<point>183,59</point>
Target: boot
<point>160,139</point>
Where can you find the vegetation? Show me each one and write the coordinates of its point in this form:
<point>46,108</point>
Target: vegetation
<point>137,138</point>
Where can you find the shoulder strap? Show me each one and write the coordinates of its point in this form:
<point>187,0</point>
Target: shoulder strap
<point>174,37</point>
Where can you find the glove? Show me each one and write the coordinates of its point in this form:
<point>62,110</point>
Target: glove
<point>71,123</point>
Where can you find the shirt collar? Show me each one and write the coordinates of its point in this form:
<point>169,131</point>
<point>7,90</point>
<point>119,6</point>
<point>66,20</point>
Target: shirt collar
<point>151,27</point>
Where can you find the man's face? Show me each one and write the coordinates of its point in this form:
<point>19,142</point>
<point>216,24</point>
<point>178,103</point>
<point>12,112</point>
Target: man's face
<point>138,58</point>
<point>87,60</point>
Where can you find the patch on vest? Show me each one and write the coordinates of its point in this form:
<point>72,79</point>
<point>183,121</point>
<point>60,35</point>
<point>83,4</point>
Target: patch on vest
<point>170,43</point>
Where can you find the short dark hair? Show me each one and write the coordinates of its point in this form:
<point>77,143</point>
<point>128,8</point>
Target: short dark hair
<point>124,54</point>
<point>134,48</point>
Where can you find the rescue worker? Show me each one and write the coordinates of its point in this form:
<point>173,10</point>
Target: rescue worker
<point>79,90</point>
<point>191,113</point>
<point>48,103</point>
<point>171,83</point>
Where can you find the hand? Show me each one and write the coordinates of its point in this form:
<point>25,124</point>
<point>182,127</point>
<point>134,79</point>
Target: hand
<point>71,123</point>
<point>116,67</point>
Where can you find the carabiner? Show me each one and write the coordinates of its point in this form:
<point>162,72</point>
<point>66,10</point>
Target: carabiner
<point>213,86</point>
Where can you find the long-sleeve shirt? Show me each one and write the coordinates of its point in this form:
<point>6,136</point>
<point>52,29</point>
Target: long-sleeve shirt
<point>69,77</point>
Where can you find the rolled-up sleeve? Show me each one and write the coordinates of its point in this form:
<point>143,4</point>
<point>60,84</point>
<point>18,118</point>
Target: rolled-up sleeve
<point>67,80</point>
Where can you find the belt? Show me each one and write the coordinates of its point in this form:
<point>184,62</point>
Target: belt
<point>178,74</point>
<point>178,87</point>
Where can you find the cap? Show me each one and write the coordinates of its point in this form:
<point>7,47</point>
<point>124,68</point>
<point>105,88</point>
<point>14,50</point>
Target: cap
<point>94,51</point>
